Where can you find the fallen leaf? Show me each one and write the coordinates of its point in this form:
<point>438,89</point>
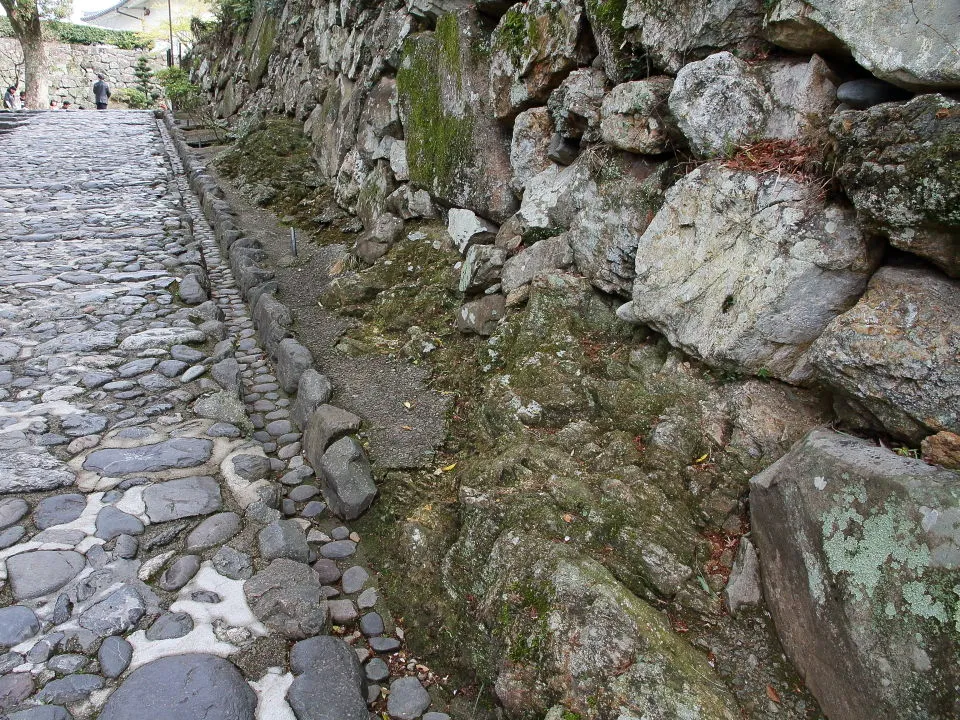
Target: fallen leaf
<point>406,427</point>
<point>449,467</point>
<point>772,694</point>
<point>407,404</point>
<point>701,458</point>
<point>567,517</point>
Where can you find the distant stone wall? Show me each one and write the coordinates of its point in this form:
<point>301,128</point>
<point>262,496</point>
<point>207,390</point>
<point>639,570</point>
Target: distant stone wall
<point>74,68</point>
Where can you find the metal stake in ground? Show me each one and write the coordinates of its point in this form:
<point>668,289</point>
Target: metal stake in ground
<point>293,241</point>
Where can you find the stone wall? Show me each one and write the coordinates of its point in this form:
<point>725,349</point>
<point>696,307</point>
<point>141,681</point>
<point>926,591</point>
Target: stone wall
<point>770,188</point>
<point>74,68</point>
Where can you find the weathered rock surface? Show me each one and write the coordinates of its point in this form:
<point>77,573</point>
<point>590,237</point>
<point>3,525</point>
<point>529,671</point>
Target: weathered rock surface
<point>898,164</point>
<point>481,316</point>
<point>32,472</point>
<point>348,485</point>
<point>169,454</point>
<point>116,613</point>
<point>859,551</point>
<point>34,574</point>
<point>634,116</point>
<point>455,149</point>
<point>186,497</point>
<point>533,47</point>
<point>286,598</point>
<point>895,353</point>
<point>575,105</point>
<point>550,254</point>
<point>207,688</point>
<point>532,131</point>
<point>746,270</point>
<point>329,684</point>
<point>921,58</point>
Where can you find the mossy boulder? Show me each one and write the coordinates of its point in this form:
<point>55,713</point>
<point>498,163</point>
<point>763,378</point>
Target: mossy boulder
<point>571,634</point>
<point>455,149</point>
<point>900,165</point>
<point>533,47</point>
<point>859,551</point>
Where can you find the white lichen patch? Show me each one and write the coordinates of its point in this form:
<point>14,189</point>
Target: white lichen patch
<point>271,692</point>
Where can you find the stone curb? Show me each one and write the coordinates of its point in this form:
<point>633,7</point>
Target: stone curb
<point>271,318</point>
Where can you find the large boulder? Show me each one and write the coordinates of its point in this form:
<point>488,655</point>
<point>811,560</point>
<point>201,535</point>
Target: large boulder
<point>900,165</point>
<point>532,131</point>
<point>635,37</point>
<point>605,233</point>
<point>911,44</point>
<point>745,270</point>
<point>285,596</point>
<point>534,46</point>
<point>860,558</point>
<point>634,116</point>
<point>455,149</point>
<point>575,105</point>
<point>565,620</point>
<point>722,102</point>
<point>895,353</point>
<point>183,687</point>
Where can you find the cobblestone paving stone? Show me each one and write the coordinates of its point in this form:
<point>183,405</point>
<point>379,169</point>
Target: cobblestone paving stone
<point>146,568</point>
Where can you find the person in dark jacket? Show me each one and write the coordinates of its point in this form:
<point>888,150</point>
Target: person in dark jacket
<point>101,92</point>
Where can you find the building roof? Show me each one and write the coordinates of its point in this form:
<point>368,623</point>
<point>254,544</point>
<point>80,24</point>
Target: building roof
<point>96,14</point>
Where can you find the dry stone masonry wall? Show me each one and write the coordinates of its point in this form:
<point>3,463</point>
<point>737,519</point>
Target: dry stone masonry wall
<point>771,188</point>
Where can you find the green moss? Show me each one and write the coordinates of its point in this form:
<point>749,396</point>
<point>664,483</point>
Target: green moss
<point>439,142</point>
<point>608,16</point>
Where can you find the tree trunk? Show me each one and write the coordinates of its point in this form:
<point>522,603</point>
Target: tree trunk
<point>36,69</point>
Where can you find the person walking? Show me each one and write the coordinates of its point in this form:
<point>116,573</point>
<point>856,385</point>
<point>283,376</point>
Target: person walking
<point>101,92</point>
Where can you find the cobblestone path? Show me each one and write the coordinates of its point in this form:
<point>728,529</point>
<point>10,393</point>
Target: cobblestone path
<point>164,552</point>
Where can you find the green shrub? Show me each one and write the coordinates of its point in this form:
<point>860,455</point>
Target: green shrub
<point>132,98</point>
<point>85,35</point>
<point>236,12</point>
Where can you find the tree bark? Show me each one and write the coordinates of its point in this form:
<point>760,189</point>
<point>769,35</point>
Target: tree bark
<point>36,69</point>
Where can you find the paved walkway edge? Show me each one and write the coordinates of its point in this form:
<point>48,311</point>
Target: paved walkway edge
<point>293,361</point>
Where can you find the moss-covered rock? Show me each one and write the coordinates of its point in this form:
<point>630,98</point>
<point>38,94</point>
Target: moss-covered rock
<point>859,551</point>
<point>533,47</point>
<point>900,164</point>
<point>454,147</point>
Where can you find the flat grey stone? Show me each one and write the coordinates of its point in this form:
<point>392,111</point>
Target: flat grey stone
<point>114,656</point>
<point>14,689</point>
<point>251,467</point>
<point>62,609</point>
<point>222,429</point>
<point>186,497</point>
<point>126,546</point>
<point>10,660</point>
<point>180,572</point>
<point>347,479</point>
<point>17,623</point>
<point>116,613</point>
<point>367,599</point>
<point>407,699</point>
<point>205,596</point>
<point>303,493</point>
<point>286,598</point>
<point>383,644</point>
<point>42,712</point>
<point>172,368</point>
<point>26,472</point>
<point>223,407</point>
<point>12,510</point>
<point>136,367</point>
<point>354,579</point>
<point>341,532</point>
<point>112,523</point>
<point>284,539</point>
<point>436,716</point>
<point>232,563</point>
<point>313,508</point>
<point>166,455</point>
<point>371,624</point>
<point>162,338</point>
<point>330,685</point>
<point>193,373</point>
<point>338,549</point>
<point>58,510</point>
<point>37,573</point>
<point>226,373</point>
<point>69,689</point>
<point>68,664</point>
<point>327,571</point>
<point>187,354</point>
<point>79,425</point>
<point>213,531</point>
<point>377,670</point>
<point>342,612</point>
<point>169,626</point>
<point>11,536</point>
<point>206,688</point>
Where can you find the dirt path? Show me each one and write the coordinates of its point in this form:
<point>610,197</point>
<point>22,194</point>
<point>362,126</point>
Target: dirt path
<point>405,420</point>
